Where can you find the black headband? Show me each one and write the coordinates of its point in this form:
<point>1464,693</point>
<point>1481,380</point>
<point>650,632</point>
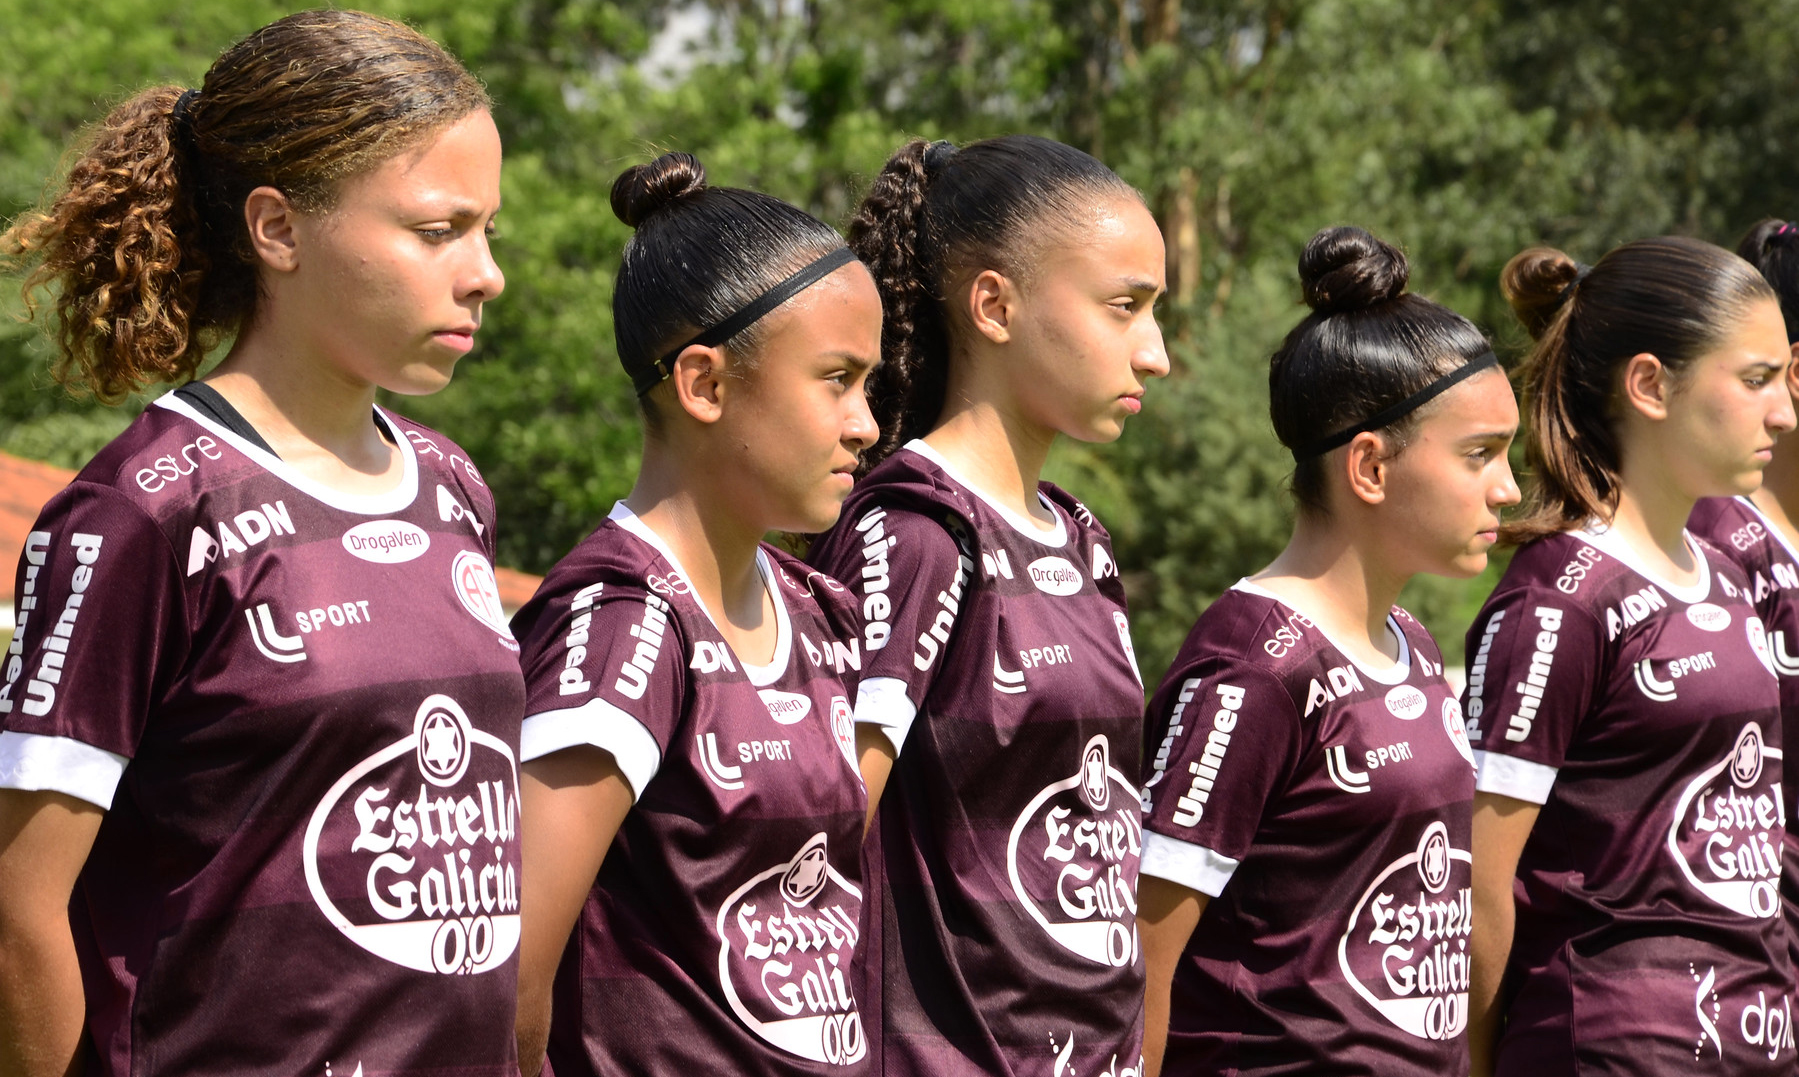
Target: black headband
<point>645,380</point>
<point>1388,416</point>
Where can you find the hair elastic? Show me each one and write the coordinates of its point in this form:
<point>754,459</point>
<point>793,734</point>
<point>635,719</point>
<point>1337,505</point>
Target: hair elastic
<point>178,115</point>
<point>1388,416</point>
<point>752,312</point>
<point>1581,269</point>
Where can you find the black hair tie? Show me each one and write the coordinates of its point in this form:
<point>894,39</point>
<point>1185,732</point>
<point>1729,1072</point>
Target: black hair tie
<point>178,116</point>
<point>1387,416</point>
<point>1581,269</point>
<point>749,314</point>
<point>936,154</point>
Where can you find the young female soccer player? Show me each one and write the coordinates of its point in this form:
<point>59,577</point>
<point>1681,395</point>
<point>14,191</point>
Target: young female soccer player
<point>1621,695</point>
<point>261,708</point>
<point>1018,277</point>
<point>1758,532</point>
<point>1308,804</point>
<point>693,812</point>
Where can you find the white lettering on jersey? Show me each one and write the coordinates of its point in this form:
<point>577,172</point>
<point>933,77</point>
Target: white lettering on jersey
<point>1397,752</point>
<point>1287,635</point>
<point>877,608</point>
<point>1103,565</point>
<point>1768,1023</point>
<point>383,542</point>
<point>1746,536</point>
<point>1633,610</point>
<point>998,564</point>
<point>572,680</point>
<point>755,751</point>
<point>1728,827</point>
<point>1055,575</point>
<point>1758,642</point>
<point>37,547</point>
<point>1008,681</point>
<point>1409,957</point>
<point>1077,877</point>
<point>167,468</point>
<point>717,772</point>
<point>787,938</point>
<point>449,509</point>
<point>1342,774</point>
<point>254,525</point>
<point>40,691</point>
<point>710,657</point>
<point>1344,682</point>
<point>949,604</point>
<point>1176,727</point>
<point>1549,621</point>
<point>1576,570</point>
<point>1477,675</point>
<point>1664,690</point>
<point>1785,663</point>
<point>840,656</point>
<point>634,673</point>
<point>452,914</point>
<point>1189,808</point>
<point>272,643</point>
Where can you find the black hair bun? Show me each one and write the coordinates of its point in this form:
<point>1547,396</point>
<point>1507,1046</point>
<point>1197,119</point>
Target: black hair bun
<point>643,190</point>
<point>1347,268</point>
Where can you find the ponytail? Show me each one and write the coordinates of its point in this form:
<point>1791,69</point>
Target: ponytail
<point>1672,297</point>
<point>1772,247</point>
<point>121,240</point>
<point>935,217</point>
<point>905,393</point>
<point>145,245</point>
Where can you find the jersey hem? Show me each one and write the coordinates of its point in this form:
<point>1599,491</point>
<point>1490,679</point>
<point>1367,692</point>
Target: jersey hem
<point>1193,866</point>
<point>39,763</point>
<point>602,725</point>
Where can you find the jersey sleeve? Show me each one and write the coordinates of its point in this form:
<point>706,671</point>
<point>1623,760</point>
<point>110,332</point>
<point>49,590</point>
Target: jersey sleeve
<point>102,631</point>
<point>1535,664</point>
<point>1231,737</point>
<point>907,573</point>
<point>603,667</point>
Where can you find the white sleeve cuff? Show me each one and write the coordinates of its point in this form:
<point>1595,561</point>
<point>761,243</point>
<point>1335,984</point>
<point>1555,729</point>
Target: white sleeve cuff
<point>1512,777</point>
<point>602,725</point>
<point>1193,866</point>
<point>882,702</point>
<point>37,763</point>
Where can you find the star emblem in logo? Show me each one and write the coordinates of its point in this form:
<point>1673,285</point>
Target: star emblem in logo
<point>443,743</point>
<point>441,738</point>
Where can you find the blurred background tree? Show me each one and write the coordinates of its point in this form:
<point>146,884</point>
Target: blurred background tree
<point>1463,131</point>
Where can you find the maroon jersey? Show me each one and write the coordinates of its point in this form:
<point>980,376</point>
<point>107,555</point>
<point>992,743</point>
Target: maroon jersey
<point>300,708</point>
<point>1735,526</point>
<point>999,662</point>
<point>1645,718</point>
<point>1325,807</point>
<point>720,932</point>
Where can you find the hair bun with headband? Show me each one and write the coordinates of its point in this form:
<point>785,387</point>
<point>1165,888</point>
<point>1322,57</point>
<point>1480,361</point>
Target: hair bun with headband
<point>647,189</point>
<point>1347,268</point>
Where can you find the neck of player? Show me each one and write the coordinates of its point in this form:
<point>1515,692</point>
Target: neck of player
<point>1779,496</point>
<point>317,419</point>
<point>695,510</point>
<point>1334,573</point>
<point>999,451</point>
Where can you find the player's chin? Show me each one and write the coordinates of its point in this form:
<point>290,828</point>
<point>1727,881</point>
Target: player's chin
<point>421,378</point>
<point>1470,562</point>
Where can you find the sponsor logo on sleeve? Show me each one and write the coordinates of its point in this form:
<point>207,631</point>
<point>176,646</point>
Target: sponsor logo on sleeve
<point>1073,859</point>
<point>1287,635</point>
<point>1405,950</point>
<point>254,526</point>
<point>387,542</point>
<point>1576,570</point>
<point>1728,827</point>
<point>1055,575</point>
<point>787,937</point>
<point>179,464</point>
<point>1536,677</point>
<point>1191,807</point>
<point>473,580</point>
<point>876,577</point>
<point>40,690</point>
<point>413,853</point>
<point>572,678</point>
<point>949,604</point>
<point>634,672</point>
<point>1176,726</point>
<point>35,554</point>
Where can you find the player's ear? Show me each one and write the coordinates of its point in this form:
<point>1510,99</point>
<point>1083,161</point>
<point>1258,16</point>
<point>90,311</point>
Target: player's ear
<point>1365,466</point>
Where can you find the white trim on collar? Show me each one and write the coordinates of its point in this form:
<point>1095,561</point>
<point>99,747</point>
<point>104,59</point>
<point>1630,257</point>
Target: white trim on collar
<point>1613,546</point>
<point>760,676</point>
<point>397,499</point>
<point>1055,538</point>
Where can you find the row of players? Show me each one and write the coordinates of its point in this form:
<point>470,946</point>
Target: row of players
<point>277,777</point>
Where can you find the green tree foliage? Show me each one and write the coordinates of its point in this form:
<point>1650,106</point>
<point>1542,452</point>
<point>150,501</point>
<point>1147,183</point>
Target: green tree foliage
<point>1463,131</point>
